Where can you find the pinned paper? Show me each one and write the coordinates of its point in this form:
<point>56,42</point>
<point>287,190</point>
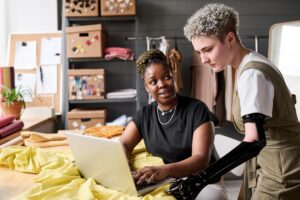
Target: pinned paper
<point>51,51</point>
<point>25,55</point>
<point>46,79</point>
<point>27,82</point>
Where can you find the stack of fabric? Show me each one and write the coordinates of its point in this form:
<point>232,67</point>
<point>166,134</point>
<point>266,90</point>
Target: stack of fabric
<point>120,94</point>
<point>35,139</point>
<point>8,126</point>
<point>119,53</point>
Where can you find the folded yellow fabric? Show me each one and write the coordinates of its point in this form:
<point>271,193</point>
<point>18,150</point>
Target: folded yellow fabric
<point>36,139</point>
<point>59,178</point>
<point>30,143</point>
<point>42,137</point>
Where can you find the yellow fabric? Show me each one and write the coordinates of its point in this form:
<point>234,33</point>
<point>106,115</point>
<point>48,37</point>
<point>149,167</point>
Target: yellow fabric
<point>36,139</point>
<point>59,178</point>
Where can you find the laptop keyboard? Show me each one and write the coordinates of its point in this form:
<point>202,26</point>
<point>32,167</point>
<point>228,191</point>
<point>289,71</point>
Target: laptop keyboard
<point>143,185</point>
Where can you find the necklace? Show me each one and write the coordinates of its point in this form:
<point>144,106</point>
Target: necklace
<point>166,112</point>
<point>163,113</point>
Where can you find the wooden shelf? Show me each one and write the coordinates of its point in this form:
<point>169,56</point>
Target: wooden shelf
<point>103,101</point>
<point>74,20</point>
<point>73,60</point>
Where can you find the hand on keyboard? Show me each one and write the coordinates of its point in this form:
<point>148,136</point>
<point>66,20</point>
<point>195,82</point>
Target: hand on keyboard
<point>150,174</point>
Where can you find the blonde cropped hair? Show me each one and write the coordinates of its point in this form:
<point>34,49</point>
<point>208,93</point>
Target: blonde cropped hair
<point>212,20</point>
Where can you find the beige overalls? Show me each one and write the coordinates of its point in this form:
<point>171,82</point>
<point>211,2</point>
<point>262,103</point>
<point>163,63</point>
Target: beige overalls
<point>275,172</point>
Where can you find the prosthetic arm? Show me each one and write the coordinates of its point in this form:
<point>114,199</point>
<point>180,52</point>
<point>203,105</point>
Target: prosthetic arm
<point>189,187</point>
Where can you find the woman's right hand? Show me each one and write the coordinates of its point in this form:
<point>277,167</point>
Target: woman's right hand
<point>150,174</point>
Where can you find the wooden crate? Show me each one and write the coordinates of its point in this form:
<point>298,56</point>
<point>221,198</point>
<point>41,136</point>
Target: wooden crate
<point>86,84</point>
<point>118,7</point>
<point>84,118</point>
<point>81,8</point>
<point>86,41</point>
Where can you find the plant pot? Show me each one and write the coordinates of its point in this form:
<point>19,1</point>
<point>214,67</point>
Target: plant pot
<point>14,109</point>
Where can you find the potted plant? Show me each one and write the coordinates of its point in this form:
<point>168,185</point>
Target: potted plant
<point>12,100</point>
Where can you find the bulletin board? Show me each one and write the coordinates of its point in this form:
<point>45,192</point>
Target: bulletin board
<point>42,100</point>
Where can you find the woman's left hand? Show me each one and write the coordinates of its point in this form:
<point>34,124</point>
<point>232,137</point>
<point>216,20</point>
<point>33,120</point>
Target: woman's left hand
<point>150,174</point>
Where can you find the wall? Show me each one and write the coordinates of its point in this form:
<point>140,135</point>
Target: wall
<point>25,16</point>
<point>168,17</point>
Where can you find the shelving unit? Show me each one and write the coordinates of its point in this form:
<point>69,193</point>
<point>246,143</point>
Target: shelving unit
<point>120,74</point>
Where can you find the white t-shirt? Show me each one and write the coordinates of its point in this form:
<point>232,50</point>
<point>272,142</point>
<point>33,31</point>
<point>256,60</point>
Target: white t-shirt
<point>255,91</point>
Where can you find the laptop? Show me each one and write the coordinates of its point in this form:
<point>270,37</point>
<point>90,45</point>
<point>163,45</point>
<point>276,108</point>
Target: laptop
<point>105,160</point>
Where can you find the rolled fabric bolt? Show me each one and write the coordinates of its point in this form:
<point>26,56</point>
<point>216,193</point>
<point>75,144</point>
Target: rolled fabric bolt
<point>11,128</point>
<point>5,120</point>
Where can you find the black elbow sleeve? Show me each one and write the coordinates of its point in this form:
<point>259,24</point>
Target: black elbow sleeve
<point>259,120</point>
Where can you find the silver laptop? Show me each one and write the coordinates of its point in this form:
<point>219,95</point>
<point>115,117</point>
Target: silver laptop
<point>105,161</point>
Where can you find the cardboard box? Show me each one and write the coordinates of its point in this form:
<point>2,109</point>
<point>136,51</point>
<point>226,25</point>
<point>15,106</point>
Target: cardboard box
<point>84,118</point>
<point>86,84</point>
<point>118,8</point>
<point>86,41</point>
<point>81,8</point>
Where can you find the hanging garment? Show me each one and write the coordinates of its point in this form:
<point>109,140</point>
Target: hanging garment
<point>164,46</point>
<point>148,42</point>
<point>203,82</point>
<point>175,58</point>
<point>208,87</point>
<point>151,44</point>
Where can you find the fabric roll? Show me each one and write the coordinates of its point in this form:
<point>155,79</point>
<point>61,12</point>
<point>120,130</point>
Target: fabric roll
<point>7,78</point>
<point>7,75</point>
<point>11,128</point>
<point>5,120</point>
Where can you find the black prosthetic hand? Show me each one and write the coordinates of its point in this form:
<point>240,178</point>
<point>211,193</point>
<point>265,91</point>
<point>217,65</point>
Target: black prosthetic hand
<point>189,187</point>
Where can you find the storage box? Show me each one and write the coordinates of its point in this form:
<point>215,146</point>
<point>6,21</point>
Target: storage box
<point>84,118</point>
<point>86,84</point>
<point>118,7</point>
<point>81,8</point>
<point>86,41</point>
